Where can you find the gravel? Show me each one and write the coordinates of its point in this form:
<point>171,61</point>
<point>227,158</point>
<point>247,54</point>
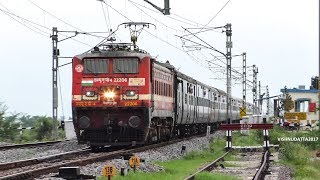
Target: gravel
<point>165,153</point>
<point>278,171</point>
<point>11,155</point>
<point>5,143</point>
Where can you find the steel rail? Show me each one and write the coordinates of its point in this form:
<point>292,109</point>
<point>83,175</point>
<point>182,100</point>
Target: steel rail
<point>264,166</point>
<point>80,162</point>
<point>6,147</point>
<point>34,161</point>
<point>208,167</point>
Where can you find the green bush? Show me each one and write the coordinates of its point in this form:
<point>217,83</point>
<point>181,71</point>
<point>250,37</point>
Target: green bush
<point>295,153</point>
<point>44,128</point>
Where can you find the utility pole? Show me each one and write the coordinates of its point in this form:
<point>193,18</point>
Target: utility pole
<point>228,57</point>
<point>259,95</point>
<point>268,101</point>
<point>244,80</point>
<point>254,88</point>
<point>55,54</point>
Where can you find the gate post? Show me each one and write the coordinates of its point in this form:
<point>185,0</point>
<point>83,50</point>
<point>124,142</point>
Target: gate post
<point>229,137</point>
<point>265,135</point>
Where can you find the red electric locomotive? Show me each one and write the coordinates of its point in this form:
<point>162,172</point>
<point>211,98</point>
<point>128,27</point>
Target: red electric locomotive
<point>121,96</point>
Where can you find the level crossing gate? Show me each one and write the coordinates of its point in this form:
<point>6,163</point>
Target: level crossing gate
<point>230,127</point>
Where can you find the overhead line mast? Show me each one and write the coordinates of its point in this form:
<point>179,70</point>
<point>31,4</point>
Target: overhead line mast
<point>244,80</point>
<point>55,54</point>
<point>228,56</point>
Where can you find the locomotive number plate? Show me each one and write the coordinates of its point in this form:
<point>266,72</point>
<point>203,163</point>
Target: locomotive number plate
<point>83,104</point>
<point>130,103</point>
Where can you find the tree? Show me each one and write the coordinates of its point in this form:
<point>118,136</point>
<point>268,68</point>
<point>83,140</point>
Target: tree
<point>27,120</point>
<point>8,125</point>
<point>287,102</point>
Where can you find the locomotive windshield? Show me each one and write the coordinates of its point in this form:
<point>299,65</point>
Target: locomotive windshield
<point>96,66</point>
<point>125,65</point>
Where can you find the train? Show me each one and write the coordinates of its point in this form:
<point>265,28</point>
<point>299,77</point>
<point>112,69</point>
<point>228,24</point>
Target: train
<point>121,95</point>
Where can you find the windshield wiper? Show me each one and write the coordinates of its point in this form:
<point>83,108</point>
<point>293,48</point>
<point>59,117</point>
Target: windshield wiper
<point>121,71</point>
<point>95,74</point>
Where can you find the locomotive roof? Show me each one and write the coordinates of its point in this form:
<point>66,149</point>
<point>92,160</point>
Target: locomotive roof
<point>115,50</point>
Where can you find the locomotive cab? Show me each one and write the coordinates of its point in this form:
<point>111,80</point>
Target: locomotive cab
<point>111,96</point>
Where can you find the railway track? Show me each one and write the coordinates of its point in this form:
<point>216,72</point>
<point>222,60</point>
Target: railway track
<point>263,167</point>
<point>208,167</point>
<point>34,161</point>
<point>244,168</point>
<point>52,165</point>
<point>14,146</point>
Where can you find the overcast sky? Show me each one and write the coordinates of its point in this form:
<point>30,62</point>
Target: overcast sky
<point>279,36</point>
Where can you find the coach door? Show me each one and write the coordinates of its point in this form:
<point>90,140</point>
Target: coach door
<point>179,102</point>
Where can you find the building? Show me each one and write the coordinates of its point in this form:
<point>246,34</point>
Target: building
<point>305,105</point>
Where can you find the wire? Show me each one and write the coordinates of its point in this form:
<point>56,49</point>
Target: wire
<point>61,99</point>
<point>53,15</point>
<point>109,17</point>
<point>153,17</point>
<point>27,23</point>
<point>145,30</point>
<point>86,33</point>
<point>10,14</point>
<point>215,15</point>
<point>105,18</point>
<point>192,23</point>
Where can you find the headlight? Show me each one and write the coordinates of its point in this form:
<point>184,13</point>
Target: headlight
<point>84,122</point>
<point>90,93</point>
<point>134,121</point>
<point>109,94</point>
<point>130,93</point>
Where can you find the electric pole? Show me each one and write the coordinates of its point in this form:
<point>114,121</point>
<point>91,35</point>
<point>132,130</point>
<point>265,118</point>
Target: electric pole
<point>254,88</point>
<point>228,57</point>
<point>268,101</point>
<point>55,54</point>
<point>244,80</point>
<point>259,95</point>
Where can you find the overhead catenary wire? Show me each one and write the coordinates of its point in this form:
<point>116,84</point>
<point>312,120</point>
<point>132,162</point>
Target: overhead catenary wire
<point>153,17</point>
<point>36,5</point>
<point>192,23</point>
<point>105,18</point>
<point>145,30</point>
<point>69,24</point>
<point>44,31</point>
<point>26,21</point>
<point>215,15</point>
<point>61,99</point>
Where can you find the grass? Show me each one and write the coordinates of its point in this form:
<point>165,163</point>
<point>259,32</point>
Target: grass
<point>208,176</point>
<point>297,154</point>
<point>254,138</point>
<point>181,168</point>
<point>293,154</point>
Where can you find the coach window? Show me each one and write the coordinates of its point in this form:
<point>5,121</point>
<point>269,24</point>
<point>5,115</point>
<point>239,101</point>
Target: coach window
<point>185,98</point>
<point>163,89</point>
<point>96,66</point>
<point>167,89</point>
<point>129,65</point>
